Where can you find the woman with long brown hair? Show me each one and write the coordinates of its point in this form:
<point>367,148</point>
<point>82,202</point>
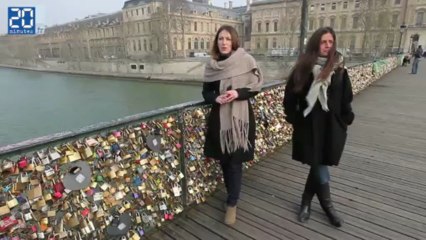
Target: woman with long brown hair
<point>317,103</point>
<point>231,78</point>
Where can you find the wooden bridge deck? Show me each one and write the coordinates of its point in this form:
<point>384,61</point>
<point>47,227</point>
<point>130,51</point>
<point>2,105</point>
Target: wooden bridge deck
<point>379,188</point>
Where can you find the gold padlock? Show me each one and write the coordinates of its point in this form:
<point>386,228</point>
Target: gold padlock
<point>127,204</point>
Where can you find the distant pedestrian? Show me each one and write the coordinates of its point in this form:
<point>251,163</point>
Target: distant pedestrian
<point>416,59</point>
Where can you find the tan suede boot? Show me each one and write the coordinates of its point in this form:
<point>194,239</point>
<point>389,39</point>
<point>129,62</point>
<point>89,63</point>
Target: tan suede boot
<point>230,215</point>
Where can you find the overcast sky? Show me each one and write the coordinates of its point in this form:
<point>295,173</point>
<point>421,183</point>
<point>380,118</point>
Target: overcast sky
<point>51,12</point>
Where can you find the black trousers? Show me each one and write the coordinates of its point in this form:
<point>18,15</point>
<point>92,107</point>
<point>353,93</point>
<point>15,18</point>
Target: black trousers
<point>232,173</point>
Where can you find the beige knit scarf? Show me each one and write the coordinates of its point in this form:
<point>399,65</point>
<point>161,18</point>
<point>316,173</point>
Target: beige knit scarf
<point>238,71</point>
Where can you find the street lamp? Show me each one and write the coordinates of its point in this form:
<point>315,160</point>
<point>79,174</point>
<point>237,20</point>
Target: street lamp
<point>402,29</point>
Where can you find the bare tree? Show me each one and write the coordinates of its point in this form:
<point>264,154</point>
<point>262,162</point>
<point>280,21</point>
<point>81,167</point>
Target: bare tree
<point>374,20</point>
<point>170,20</point>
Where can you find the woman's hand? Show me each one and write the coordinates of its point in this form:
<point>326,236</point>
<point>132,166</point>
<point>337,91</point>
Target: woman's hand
<point>221,99</point>
<point>227,97</point>
<point>230,95</point>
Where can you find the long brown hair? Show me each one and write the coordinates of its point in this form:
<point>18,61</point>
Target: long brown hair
<point>304,65</point>
<point>215,53</point>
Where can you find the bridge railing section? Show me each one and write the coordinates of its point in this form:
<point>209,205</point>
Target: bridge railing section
<point>125,177</point>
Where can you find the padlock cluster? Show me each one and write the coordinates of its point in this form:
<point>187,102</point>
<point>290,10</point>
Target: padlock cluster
<point>119,184</point>
<point>134,172</point>
<point>203,175</point>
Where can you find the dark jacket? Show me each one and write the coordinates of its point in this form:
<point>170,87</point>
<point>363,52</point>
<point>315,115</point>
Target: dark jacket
<point>320,136</point>
<point>212,144</point>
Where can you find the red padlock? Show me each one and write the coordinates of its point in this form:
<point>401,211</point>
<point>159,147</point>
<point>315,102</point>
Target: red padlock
<point>23,162</point>
<point>57,195</point>
<point>59,187</point>
<point>85,212</point>
<point>7,222</point>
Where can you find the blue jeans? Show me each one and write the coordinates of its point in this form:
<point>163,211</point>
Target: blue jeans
<point>232,174</point>
<point>320,174</point>
<point>415,65</point>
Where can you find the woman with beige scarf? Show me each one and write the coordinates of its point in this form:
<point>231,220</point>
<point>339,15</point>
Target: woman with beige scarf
<point>317,102</point>
<point>231,78</point>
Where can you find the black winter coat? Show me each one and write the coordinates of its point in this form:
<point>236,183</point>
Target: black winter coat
<point>212,145</point>
<point>320,136</point>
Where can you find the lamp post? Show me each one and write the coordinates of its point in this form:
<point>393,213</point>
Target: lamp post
<point>402,29</point>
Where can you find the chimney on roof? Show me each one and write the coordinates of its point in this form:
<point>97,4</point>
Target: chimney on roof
<point>230,4</point>
<point>225,5</point>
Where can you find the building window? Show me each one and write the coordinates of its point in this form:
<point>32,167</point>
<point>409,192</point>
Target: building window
<point>357,3</point>
<point>150,45</point>
<point>332,22</point>
<point>389,40</point>
<point>202,43</point>
<point>141,67</point>
<point>321,22</point>
<point>175,43</point>
<point>137,12</point>
<point>149,10</point>
<point>144,45</point>
<point>202,27</point>
<point>259,27</point>
<point>333,6</point>
<point>312,7</point>
<point>345,5</point>
<point>395,19</point>
<point>196,43</point>
<point>195,26</point>
<point>311,24</point>
<point>189,43</point>
<point>139,28</point>
<point>139,45</point>
<point>343,25</point>
<point>419,18</point>
<point>355,22</point>
<point>143,11</point>
<point>133,66</point>
<point>134,46</point>
<point>266,44</point>
<point>397,2</point>
<point>275,26</point>
<point>257,44</point>
<point>274,43</point>
<point>207,44</point>
<point>353,41</point>
<point>322,7</point>
<point>267,27</point>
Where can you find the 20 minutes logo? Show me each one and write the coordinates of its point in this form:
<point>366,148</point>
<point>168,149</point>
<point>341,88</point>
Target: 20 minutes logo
<point>21,20</point>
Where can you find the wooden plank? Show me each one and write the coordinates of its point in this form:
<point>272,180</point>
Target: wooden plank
<point>241,226</point>
<point>357,181</point>
<point>177,232</point>
<point>372,202</point>
<point>360,204</point>
<point>318,222</point>
<point>159,235</point>
<point>371,177</point>
<point>197,229</point>
<point>245,215</point>
<point>215,226</point>
<point>363,219</point>
<point>338,185</point>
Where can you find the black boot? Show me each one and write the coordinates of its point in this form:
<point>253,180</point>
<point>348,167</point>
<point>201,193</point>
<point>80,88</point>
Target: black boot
<point>305,206</point>
<point>326,204</point>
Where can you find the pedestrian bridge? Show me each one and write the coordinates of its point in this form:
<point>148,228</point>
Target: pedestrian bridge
<point>145,176</point>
